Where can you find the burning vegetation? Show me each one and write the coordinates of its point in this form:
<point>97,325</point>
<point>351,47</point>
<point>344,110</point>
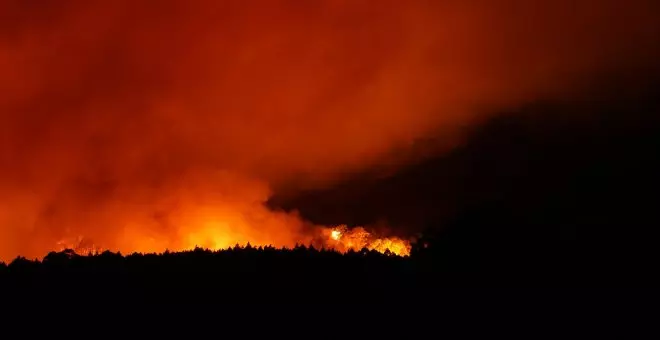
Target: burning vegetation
<point>341,239</point>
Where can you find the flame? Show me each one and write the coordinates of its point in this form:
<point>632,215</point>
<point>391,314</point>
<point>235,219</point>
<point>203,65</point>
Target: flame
<point>344,239</point>
<point>341,239</point>
<point>194,220</point>
<point>80,245</point>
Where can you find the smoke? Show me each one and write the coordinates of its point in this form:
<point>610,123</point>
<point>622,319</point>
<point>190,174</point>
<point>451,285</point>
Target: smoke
<point>158,122</point>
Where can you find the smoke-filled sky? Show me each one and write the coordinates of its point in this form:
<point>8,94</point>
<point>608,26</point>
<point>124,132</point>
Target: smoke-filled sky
<point>121,119</point>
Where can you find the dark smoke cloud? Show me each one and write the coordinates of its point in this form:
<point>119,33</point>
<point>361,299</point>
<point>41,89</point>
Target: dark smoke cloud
<point>113,113</point>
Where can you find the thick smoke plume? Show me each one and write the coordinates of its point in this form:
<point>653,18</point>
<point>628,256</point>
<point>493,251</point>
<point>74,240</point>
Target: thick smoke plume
<point>147,125</point>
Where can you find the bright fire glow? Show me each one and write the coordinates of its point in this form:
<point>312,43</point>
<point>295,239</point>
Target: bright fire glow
<point>341,239</point>
<point>344,239</point>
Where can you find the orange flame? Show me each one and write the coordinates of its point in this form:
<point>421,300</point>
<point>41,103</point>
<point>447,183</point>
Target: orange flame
<point>80,245</point>
<point>344,239</point>
<point>340,238</point>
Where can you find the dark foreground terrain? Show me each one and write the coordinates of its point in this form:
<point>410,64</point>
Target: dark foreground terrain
<point>301,274</point>
<point>300,290</point>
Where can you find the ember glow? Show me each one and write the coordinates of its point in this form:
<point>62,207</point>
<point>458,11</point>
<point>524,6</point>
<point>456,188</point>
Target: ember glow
<point>146,126</point>
<point>340,239</point>
<point>343,239</point>
<point>335,235</point>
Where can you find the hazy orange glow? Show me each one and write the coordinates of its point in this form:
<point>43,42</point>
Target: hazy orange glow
<point>146,126</point>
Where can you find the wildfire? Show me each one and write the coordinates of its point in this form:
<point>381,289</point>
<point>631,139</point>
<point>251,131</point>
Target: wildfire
<point>344,239</point>
<point>80,245</point>
<point>341,239</point>
<point>335,235</point>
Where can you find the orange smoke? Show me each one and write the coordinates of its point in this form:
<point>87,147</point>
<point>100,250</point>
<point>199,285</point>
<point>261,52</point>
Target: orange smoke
<point>145,125</point>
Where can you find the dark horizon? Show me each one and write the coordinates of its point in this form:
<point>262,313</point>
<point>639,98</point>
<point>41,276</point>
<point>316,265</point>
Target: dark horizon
<point>494,140</point>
